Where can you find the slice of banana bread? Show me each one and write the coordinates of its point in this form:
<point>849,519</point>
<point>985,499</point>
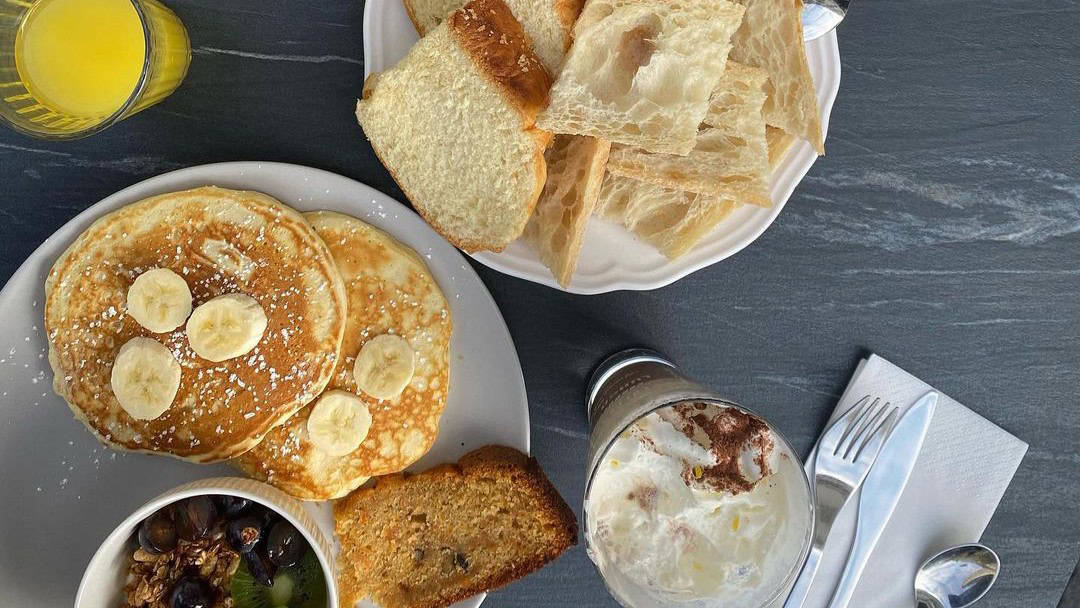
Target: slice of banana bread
<point>434,538</point>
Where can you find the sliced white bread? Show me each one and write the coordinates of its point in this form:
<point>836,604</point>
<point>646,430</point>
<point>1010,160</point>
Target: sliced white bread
<point>770,38</point>
<point>780,141</point>
<point>730,156</point>
<point>640,72</point>
<point>454,123</point>
<point>575,166</point>
<point>673,221</point>
<point>546,22</point>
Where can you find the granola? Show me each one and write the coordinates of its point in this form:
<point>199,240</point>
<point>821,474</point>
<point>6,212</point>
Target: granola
<point>151,576</point>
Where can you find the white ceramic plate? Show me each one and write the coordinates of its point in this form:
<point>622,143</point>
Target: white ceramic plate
<point>61,492</point>
<point>612,258</point>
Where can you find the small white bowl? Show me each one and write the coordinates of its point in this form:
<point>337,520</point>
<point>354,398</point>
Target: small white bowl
<point>103,581</point>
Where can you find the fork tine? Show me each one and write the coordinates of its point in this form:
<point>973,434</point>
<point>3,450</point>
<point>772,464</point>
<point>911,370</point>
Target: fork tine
<point>854,424</point>
<point>850,418</point>
<point>873,442</point>
<point>869,420</point>
<point>853,411</point>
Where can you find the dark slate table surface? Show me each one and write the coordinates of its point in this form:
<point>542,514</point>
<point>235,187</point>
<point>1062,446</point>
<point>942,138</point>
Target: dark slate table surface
<point>941,231</point>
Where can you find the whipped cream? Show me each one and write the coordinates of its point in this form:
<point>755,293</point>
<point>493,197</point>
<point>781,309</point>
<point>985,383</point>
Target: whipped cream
<point>697,505</point>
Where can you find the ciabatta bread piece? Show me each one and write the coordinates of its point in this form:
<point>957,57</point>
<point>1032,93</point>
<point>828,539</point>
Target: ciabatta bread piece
<point>434,538</point>
<point>454,123</point>
<point>546,22</point>
<point>770,38</point>
<point>640,72</point>
<point>673,221</point>
<point>780,141</point>
<point>575,171</point>
<point>730,157</point>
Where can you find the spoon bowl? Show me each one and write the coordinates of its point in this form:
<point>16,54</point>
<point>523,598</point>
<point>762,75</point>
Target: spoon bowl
<point>957,577</point>
<point>819,17</point>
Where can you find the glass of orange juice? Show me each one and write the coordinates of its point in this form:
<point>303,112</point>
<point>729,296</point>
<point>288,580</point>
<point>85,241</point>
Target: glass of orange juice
<point>70,68</point>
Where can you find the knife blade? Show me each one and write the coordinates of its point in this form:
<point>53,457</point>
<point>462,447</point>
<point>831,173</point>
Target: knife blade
<point>882,489</point>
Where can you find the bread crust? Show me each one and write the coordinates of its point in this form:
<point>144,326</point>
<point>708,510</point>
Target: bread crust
<point>502,458</point>
<point>490,34</point>
<point>411,11</point>
<point>567,12</point>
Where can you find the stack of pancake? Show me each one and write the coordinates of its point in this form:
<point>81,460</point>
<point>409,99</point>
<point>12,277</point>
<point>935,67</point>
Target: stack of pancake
<point>329,286</point>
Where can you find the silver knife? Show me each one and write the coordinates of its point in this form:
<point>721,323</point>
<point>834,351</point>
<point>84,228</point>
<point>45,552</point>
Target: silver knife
<point>882,489</point>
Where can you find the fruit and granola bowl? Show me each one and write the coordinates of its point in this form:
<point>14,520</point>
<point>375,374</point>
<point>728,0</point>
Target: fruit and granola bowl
<point>217,543</point>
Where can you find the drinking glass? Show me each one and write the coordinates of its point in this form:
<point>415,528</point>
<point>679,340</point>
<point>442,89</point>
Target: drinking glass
<point>23,106</point>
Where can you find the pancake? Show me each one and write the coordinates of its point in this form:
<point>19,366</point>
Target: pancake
<point>388,289</point>
<point>220,241</point>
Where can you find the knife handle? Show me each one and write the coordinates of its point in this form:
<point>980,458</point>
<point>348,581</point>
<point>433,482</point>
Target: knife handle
<point>797,597</point>
<point>860,553</point>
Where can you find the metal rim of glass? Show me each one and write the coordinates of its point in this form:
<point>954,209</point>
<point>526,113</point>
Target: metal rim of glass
<point>796,567</point>
<point>140,86</point>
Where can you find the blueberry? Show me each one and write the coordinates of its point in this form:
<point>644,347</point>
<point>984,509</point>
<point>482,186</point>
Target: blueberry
<point>191,592</point>
<point>195,517</point>
<point>269,517</point>
<point>285,545</point>
<point>231,506</point>
<point>157,533</point>
<point>244,532</point>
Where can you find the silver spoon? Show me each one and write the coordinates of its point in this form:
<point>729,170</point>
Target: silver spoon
<point>956,577</point>
<point>819,17</point>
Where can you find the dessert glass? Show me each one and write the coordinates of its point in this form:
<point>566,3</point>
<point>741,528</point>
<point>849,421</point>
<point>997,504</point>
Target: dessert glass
<point>631,385</point>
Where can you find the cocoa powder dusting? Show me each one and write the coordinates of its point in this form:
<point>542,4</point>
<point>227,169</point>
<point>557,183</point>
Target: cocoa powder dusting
<point>645,440</point>
<point>728,432</point>
<point>645,496</point>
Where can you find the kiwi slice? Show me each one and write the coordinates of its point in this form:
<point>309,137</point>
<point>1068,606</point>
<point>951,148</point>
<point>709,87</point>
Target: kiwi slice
<point>300,586</point>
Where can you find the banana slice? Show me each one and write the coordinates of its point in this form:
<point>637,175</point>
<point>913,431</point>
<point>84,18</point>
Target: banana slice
<point>227,326</point>
<point>384,366</point>
<point>339,422</point>
<point>159,300</point>
<point>145,378</point>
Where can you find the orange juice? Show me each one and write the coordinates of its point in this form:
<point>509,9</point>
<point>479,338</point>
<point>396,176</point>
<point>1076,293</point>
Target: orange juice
<point>70,68</point>
<point>81,57</point>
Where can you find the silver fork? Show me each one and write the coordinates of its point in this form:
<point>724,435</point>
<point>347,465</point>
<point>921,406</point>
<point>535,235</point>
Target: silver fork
<point>844,456</point>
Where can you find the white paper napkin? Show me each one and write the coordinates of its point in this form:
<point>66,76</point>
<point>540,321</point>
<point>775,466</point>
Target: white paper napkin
<point>965,465</point>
